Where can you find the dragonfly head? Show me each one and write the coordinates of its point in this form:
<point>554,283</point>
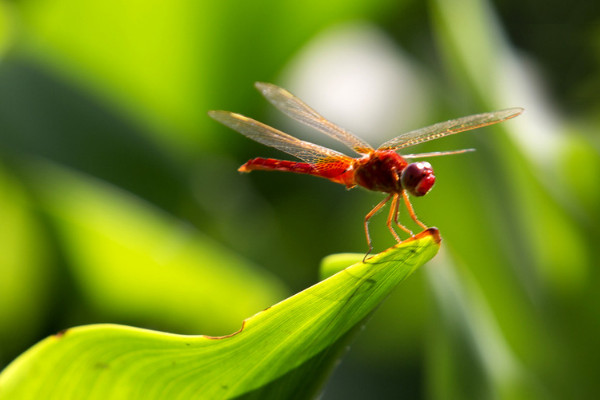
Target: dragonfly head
<point>418,178</point>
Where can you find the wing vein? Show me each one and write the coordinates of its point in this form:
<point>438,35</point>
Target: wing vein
<point>295,108</point>
<point>451,127</point>
<point>272,137</point>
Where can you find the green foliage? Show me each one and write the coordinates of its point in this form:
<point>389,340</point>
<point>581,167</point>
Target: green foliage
<point>118,195</point>
<point>123,253</point>
<point>282,352</point>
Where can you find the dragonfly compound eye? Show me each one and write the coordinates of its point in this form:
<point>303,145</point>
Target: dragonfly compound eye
<point>418,178</point>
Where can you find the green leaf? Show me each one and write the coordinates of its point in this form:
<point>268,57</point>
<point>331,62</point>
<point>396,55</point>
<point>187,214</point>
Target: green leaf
<point>285,351</point>
<point>334,263</point>
<point>25,269</point>
<point>132,262</point>
<point>162,62</point>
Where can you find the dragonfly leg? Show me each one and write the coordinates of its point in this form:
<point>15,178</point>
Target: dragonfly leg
<point>393,216</point>
<point>394,210</point>
<point>411,211</point>
<point>368,217</point>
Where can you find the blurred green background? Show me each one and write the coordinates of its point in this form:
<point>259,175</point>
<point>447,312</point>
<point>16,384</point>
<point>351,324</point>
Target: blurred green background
<point>117,190</point>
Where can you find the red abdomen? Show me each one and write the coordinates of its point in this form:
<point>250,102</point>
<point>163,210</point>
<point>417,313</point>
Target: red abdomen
<point>335,171</point>
<point>271,164</point>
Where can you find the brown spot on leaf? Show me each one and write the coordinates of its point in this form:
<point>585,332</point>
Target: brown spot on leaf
<point>60,334</point>
<point>227,336</point>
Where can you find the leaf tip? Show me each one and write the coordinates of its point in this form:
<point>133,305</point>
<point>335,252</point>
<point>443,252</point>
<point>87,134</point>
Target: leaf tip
<point>432,232</point>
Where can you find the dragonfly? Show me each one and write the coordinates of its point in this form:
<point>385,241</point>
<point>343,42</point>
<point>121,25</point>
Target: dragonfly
<point>381,170</point>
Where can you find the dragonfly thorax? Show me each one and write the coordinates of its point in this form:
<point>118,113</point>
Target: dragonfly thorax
<point>387,171</point>
<point>380,171</point>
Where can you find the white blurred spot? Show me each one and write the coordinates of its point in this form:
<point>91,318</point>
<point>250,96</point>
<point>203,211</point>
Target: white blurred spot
<point>538,132</point>
<point>356,77</point>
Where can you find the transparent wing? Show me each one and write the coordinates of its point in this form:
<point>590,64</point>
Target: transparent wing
<point>437,153</point>
<point>272,137</point>
<point>298,110</point>
<point>449,128</point>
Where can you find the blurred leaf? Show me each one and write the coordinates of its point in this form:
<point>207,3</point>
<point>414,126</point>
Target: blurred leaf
<point>285,351</point>
<point>531,254</point>
<point>44,116</point>
<point>6,27</point>
<point>582,152</point>
<point>163,62</point>
<point>472,49</point>
<point>334,263</point>
<point>469,356</point>
<point>133,261</point>
<point>142,55</point>
<point>24,269</point>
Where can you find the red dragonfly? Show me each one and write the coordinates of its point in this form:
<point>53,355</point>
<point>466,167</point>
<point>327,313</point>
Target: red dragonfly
<point>381,169</point>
